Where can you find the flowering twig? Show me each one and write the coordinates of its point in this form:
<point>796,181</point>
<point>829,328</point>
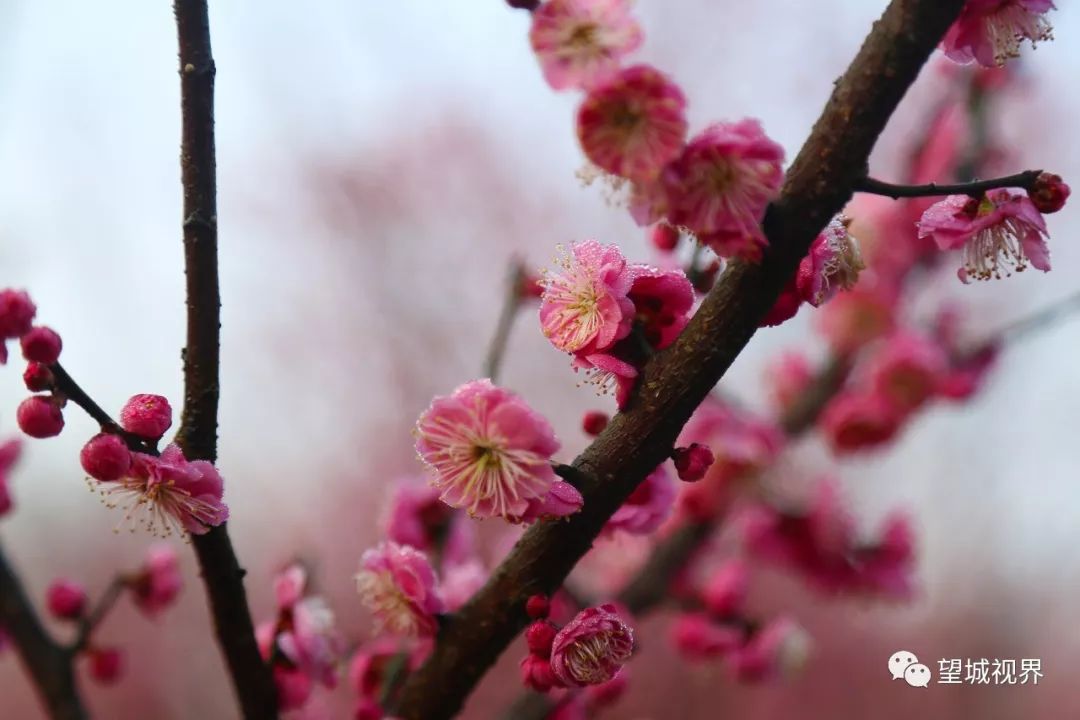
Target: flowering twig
<point>48,663</point>
<point>676,380</point>
<point>197,437</point>
<point>511,304</point>
<point>66,386</point>
<point>1025,180</point>
<point>89,624</point>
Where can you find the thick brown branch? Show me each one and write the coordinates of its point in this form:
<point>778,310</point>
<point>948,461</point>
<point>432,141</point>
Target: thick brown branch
<point>48,664</point>
<point>1025,180</point>
<point>197,436</point>
<point>676,380</point>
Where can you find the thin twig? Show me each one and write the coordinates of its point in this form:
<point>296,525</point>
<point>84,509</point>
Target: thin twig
<point>66,385</point>
<point>197,436</point>
<point>1025,180</point>
<point>512,301</point>
<point>90,623</point>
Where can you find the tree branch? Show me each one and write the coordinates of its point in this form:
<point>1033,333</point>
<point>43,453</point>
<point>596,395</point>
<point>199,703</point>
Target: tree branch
<point>677,379</point>
<point>47,662</point>
<point>90,623</point>
<point>511,304</point>
<point>197,437</point>
<point>66,386</point>
<point>1025,180</point>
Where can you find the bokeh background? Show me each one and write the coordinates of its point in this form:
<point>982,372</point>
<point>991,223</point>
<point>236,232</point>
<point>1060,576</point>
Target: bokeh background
<point>380,163</point>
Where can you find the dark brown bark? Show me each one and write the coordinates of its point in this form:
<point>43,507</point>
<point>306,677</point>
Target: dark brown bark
<point>197,436</point>
<point>48,663</point>
<point>676,380</point>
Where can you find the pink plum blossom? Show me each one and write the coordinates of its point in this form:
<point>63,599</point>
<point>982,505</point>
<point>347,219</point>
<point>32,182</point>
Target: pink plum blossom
<point>582,42</point>
<point>398,585</point>
<point>990,31</point>
<point>833,264</point>
<point>662,301</point>
<point>489,451</point>
<point>592,647</point>
<point>39,416</point>
<point>788,377</point>
<point>310,641</point>
<point>858,420</point>
<point>157,584</point>
<point>778,649</point>
<point>721,184</point>
<point>586,308</point>
<point>999,233</point>
<point>461,581</point>
<point>697,636</point>
<point>726,589</point>
<point>176,494</point>
<point>561,500</point>
<point>146,415</point>
<point>854,318</point>
<point>647,507</point>
<point>417,517</point>
<point>692,462</point>
<point>634,124</point>
<point>906,369</point>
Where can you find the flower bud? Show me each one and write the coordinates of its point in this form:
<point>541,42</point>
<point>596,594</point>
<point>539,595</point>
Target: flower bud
<point>105,457</point>
<point>538,607</point>
<point>664,237</point>
<point>66,599</point>
<point>539,637</point>
<point>536,673</point>
<point>106,665</point>
<point>41,344</point>
<point>37,377</point>
<point>147,416</point>
<point>594,422</point>
<point>1049,193</point>
<point>16,313</point>
<point>39,416</point>
<point>692,462</point>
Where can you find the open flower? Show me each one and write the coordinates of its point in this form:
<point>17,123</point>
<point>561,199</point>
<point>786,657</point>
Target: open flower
<point>833,263</point>
<point>990,31</point>
<point>158,582</point>
<point>592,647</point>
<point>311,642</point>
<point>586,308</point>
<point>398,585</point>
<point>581,42</point>
<point>721,184</point>
<point>490,452</point>
<point>999,233</point>
<point>177,495</point>
<point>662,302</point>
<point>907,369</point>
<point>647,507</point>
<point>634,124</point>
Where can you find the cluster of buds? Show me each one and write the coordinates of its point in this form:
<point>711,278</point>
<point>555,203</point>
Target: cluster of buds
<point>590,650</point>
<point>39,416</point>
<point>153,587</point>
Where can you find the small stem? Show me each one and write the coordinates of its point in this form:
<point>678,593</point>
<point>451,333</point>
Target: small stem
<point>511,304</point>
<point>90,623</point>
<point>1025,180</point>
<point>1038,320</point>
<point>66,385</point>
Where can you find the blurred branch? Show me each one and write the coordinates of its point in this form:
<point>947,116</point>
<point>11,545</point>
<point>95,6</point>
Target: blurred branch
<point>197,436</point>
<point>1025,180</point>
<point>1024,327</point>
<point>512,301</point>
<point>677,379</point>
<point>48,663</point>
<point>90,623</point>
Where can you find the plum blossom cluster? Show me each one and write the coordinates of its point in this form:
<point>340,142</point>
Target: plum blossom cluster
<point>821,544</point>
<point>990,32</point>
<point>301,645</point>
<point>153,587</point>
<point>718,630</point>
<point>590,650</point>
<point>172,493</point>
<point>611,315</point>
<point>490,454</point>
<point>39,416</point>
<point>632,125</point>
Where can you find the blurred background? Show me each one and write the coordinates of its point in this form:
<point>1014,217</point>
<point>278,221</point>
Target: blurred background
<point>380,164</point>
